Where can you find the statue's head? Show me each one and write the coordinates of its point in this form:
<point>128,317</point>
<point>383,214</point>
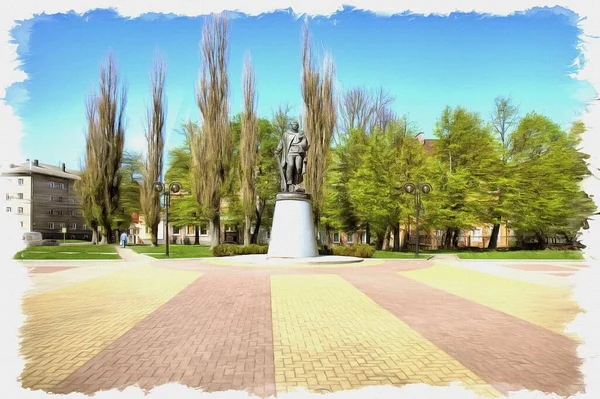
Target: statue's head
<point>295,125</point>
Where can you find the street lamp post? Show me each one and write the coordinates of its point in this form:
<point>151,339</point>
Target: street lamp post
<point>174,187</point>
<point>416,190</point>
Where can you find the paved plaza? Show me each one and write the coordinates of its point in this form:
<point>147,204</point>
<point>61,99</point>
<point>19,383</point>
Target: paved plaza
<point>493,326</point>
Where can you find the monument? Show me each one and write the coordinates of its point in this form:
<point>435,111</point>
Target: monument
<point>293,230</point>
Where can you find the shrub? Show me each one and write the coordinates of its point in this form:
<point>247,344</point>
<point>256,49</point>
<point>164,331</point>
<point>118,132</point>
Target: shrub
<point>186,240</point>
<point>233,249</point>
<point>360,251</point>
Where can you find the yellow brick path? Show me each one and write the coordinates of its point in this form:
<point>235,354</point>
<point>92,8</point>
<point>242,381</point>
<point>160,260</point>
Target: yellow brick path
<point>68,326</point>
<point>328,334</point>
<point>546,306</point>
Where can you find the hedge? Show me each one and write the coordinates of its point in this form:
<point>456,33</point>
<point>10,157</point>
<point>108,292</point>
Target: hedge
<point>233,249</point>
<point>360,251</point>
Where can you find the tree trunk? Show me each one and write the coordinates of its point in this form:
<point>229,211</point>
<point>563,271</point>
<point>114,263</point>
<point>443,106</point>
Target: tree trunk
<point>542,239</point>
<point>94,236</point>
<point>396,237</point>
<point>247,225</point>
<point>379,240</point>
<point>260,205</point>
<point>448,238</point>
<point>215,230</point>
<point>197,235</point>
<point>368,235</point>
<point>386,239</point>
<point>154,236</point>
<point>494,236</point>
<point>455,235</point>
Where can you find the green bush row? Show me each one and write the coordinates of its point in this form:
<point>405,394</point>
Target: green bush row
<point>233,249</point>
<point>360,251</point>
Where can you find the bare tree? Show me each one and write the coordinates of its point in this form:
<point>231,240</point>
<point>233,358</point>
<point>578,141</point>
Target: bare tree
<point>248,149</point>
<point>320,120</point>
<point>504,118</point>
<point>153,168</point>
<point>364,109</point>
<point>212,149</point>
<point>281,118</point>
<point>104,147</point>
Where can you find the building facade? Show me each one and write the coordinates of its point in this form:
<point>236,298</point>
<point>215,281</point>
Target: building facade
<point>42,198</point>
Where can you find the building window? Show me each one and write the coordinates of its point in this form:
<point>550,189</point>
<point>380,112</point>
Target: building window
<point>51,225</point>
<point>8,209</point>
<point>73,213</point>
<point>21,182</point>
<point>203,230</point>
<point>336,237</point>
<point>51,184</point>
<point>72,200</point>
<point>63,225</point>
<point>20,195</point>
<point>74,226</point>
<point>230,227</point>
<point>51,212</point>
<point>7,196</point>
<point>84,227</point>
<point>59,212</point>
<point>60,199</point>
<point>175,230</point>
<point>21,224</point>
<point>19,210</point>
<point>350,237</point>
<point>476,236</point>
<point>190,229</point>
<point>51,198</point>
<point>62,186</point>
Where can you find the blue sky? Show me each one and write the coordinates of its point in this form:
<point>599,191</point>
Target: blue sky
<point>425,62</point>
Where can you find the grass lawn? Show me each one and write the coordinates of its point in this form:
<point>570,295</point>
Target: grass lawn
<point>74,241</point>
<point>555,255</point>
<point>69,252</point>
<point>175,251</point>
<point>399,255</point>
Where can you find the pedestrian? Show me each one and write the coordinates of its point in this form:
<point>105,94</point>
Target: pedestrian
<point>123,240</point>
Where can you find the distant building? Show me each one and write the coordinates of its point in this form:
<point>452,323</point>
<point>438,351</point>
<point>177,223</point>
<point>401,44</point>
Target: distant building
<point>43,199</point>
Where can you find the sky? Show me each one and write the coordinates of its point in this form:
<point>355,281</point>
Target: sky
<point>426,63</point>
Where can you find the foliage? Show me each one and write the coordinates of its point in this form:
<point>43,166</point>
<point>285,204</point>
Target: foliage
<point>385,160</point>
<point>462,172</point>
<point>131,174</point>
<point>546,169</point>
<point>232,249</point>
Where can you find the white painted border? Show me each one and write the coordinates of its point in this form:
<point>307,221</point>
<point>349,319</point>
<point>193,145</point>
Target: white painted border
<point>14,280</point>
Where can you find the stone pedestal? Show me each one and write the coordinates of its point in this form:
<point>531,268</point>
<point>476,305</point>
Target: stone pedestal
<point>293,230</point>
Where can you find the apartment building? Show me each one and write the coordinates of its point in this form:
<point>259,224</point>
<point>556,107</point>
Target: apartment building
<point>42,198</point>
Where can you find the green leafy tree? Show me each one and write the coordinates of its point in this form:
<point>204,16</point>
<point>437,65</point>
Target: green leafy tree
<point>388,159</point>
<point>547,168</point>
<point>463,173</point>
<point>131,172</point>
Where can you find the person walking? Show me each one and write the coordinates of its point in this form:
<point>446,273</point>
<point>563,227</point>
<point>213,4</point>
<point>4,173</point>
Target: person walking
<point>123,240</point>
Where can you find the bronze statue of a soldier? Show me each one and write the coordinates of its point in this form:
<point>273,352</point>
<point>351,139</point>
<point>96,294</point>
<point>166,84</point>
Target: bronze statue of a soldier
<point>291,158</point>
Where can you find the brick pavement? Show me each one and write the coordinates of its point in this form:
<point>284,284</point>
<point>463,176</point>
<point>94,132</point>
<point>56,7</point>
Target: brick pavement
<point>216,334</point>
<point>68,326</point>
<point>327,334</point>
<point>373,325</point>
<point>548,307</point>
<point>507,352</point>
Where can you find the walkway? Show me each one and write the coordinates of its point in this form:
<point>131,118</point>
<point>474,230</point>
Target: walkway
<point>269,330</point>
